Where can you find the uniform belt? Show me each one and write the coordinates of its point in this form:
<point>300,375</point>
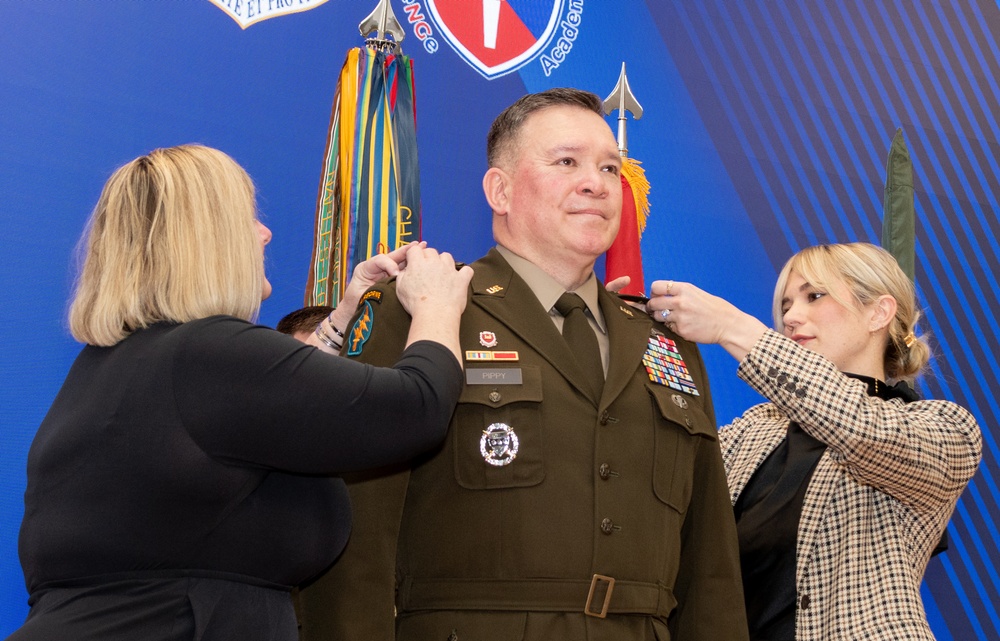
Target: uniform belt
<point>598,596</point>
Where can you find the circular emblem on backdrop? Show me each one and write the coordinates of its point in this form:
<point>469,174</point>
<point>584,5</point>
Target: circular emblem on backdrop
<point>498,445</point>
<point>487,339</point>
<point>503,36</point>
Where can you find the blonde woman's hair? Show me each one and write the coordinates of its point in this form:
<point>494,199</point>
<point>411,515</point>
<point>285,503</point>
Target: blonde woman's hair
<point>173,238</point>
<point>868,272</point>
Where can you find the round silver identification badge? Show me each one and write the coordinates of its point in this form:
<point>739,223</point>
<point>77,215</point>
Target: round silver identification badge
<point>498,444</point>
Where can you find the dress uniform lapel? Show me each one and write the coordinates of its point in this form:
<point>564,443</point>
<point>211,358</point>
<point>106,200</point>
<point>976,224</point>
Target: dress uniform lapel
<point>628,337</point>
<point>499,291</point>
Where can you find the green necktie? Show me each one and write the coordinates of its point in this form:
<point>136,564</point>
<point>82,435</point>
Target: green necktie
<point>581,339</point>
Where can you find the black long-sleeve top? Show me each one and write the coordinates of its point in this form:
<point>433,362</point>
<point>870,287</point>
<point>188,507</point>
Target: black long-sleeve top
<point>208,449</point>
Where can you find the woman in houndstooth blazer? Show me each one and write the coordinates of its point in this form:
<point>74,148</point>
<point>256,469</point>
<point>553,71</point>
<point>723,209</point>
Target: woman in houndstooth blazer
<point>842,484</point>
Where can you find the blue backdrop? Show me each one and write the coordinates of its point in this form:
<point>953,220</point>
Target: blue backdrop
<point>766,129</point>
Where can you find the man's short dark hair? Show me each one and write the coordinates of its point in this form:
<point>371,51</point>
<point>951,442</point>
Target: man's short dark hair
<point>504,130</point>
<point>303,320</point>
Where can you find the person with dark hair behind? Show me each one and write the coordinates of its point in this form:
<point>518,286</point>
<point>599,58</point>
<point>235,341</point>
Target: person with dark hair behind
<point>843,482</point>
<point>302,323</point>
<point>184,478</point>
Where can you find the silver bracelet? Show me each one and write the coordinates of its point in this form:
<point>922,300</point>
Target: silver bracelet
<point>334,327</point>
<point>326,340</point>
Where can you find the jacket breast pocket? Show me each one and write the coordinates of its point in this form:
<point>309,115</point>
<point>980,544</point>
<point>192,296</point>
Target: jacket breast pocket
<point>497,434</point>
<point>681,426</point>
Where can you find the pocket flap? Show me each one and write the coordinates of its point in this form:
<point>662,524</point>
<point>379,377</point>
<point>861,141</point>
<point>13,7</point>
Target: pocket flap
<point>683,409</point>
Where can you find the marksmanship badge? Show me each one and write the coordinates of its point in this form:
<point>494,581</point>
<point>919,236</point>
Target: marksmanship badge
<point>498,444</point>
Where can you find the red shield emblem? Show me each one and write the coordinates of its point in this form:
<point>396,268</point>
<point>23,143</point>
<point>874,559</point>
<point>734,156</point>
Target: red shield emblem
<point>496,37</point>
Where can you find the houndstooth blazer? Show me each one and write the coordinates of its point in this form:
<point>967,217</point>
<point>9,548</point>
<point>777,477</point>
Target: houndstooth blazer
<point>879,498</point>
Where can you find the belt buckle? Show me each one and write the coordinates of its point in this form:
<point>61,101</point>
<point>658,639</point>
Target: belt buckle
<point>599,578</point>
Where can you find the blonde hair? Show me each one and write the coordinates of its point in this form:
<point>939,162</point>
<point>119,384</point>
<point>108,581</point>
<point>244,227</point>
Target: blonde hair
<point>868,272</point>
<point>173,238</point>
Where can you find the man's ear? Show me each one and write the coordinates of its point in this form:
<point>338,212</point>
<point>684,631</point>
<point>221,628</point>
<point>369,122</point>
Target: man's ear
<point>883,311</point>
<point>495,187</point>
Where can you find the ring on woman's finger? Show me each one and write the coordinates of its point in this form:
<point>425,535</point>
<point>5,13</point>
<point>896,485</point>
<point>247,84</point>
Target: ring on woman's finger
<point>664,313</point>
<point>670,285</point>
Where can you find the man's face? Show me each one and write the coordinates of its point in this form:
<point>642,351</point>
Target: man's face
<point>564,197</point>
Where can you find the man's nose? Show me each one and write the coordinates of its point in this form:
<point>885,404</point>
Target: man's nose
<point>594,182</point>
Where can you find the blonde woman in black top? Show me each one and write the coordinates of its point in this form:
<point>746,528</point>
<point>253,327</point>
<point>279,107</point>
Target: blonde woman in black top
<point>184,479</point>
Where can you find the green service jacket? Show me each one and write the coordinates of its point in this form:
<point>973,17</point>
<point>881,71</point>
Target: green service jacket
<point>472,543</point>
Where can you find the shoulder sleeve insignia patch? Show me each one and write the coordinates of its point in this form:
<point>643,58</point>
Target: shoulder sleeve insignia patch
<point>374,295</point>
<point>362,329</point>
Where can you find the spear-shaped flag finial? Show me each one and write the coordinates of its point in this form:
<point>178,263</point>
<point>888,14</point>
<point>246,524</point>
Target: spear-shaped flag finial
<point>621,98</point>
<point>624,257</point>
<point>384,23</point>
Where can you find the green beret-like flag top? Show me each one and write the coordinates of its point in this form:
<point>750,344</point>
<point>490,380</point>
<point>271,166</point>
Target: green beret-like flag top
<point>898,216</point>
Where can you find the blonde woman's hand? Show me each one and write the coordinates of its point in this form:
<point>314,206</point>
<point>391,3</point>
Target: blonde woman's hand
<point>434,293</point>
<point>430,282</point>
<point>371,271</point>
<point>617,284</point>
<point>698,316</point>
<point>366,274</point>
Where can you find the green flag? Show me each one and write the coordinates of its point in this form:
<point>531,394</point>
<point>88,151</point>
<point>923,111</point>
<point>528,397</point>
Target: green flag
<point>898,226</point>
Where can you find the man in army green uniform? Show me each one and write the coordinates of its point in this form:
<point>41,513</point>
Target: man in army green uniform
<point>572,499</point>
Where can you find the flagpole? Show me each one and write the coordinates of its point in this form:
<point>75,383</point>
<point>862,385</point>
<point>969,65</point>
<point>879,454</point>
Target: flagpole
<point>622,99</point>
<point>624,257</point>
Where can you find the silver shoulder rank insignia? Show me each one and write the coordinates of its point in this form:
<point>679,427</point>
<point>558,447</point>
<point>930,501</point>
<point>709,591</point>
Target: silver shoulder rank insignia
<point>498,445</point>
